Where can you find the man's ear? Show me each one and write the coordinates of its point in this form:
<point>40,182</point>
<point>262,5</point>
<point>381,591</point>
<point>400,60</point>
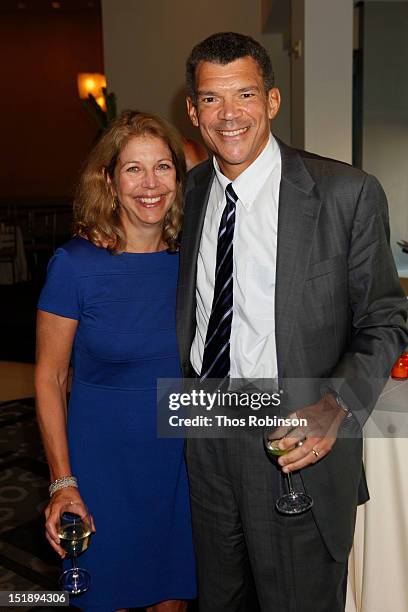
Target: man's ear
<point>192,111</point>
<point>274,101</point>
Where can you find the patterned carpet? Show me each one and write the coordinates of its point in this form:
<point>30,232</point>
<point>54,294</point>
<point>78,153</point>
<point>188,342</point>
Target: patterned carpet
<point>27,562</point>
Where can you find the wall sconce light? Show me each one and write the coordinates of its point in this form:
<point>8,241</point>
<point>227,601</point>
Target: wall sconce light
<point>92,83</point>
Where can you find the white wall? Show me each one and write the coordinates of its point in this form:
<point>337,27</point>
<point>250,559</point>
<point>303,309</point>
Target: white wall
<point>328,77</point>
<point>322,77</point>
<point>385,110</point>
<point>146,44</point>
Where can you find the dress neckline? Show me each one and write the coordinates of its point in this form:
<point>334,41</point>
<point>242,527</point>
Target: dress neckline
<point>91,244</point>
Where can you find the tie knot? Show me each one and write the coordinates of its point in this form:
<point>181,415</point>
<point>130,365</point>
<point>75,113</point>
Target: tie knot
<point>230,194</point>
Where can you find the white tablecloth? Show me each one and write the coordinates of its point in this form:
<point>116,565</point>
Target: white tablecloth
<point>378,564</point>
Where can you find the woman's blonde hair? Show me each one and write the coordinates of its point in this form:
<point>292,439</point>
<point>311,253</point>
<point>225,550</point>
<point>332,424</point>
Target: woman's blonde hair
<point>95,211</point>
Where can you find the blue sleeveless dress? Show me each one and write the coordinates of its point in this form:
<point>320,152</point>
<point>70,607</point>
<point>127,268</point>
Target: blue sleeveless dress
<point>134,484</point>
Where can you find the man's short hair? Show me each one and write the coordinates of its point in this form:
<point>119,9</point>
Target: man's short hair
<point>224,48</point>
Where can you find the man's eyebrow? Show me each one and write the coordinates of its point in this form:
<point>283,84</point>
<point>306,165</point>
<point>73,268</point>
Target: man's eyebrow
<point>249,88</point>
<point>208,92</point>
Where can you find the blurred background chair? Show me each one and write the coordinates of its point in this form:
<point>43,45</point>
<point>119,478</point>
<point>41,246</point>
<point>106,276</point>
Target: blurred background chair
<point>13,263</point>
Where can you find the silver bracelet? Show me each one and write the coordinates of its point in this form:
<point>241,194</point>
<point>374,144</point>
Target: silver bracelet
<point>62,483</point>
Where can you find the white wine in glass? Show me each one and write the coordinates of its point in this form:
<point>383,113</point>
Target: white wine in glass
<point>292,502</point>
<point>74,531</point>
<point>74,538</point>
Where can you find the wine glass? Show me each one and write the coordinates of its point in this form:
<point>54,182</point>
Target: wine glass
<point>74,531</point>
<point>293,502</point>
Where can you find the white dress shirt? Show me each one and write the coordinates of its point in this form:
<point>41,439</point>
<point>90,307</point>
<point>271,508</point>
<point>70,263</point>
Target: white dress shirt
<point>253,344</point>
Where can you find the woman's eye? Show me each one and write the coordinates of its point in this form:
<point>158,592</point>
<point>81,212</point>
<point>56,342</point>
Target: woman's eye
<point>208,99</point>
<point>132,169</point>
<point>163,167</point>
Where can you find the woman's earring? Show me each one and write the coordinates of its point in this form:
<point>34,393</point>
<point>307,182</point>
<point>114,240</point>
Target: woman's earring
<point>114,204</point>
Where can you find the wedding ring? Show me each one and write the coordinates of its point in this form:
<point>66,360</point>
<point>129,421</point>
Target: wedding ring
<point>315,452</point>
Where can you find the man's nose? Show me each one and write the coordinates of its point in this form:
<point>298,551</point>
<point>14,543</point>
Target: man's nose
<point>229,110</point>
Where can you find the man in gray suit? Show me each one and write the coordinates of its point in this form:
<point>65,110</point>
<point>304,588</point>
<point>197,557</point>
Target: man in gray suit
<point>285,272</point>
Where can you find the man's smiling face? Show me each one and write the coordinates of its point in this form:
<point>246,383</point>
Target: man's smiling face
<point>233,112</point>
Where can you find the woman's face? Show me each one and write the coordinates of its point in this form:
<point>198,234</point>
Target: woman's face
<point>145,181</point>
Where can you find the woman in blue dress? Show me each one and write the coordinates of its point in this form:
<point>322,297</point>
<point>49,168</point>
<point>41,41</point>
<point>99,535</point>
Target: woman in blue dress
<point>108,307</point>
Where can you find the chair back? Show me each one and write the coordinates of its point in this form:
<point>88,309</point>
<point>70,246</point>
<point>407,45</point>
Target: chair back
<point>8,241</point>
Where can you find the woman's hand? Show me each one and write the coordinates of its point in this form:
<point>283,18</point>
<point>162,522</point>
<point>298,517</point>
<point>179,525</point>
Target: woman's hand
<point>67,495</point>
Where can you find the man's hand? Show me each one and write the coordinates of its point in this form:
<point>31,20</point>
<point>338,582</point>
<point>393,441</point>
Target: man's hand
<point>313,441</point>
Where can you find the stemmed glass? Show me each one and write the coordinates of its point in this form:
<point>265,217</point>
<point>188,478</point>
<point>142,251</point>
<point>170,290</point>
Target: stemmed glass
<point>74,531</point>
<point>292,502</point>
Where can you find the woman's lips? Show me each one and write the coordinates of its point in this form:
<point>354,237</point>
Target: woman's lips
<point>150,201</point>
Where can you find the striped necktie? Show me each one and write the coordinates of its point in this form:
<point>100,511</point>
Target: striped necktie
<point>216,358</point>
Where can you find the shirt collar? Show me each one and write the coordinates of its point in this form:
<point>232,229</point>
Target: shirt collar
<point>249,183</point>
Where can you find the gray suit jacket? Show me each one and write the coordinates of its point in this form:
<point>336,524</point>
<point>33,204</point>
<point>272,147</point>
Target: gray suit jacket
<point>339,309</point>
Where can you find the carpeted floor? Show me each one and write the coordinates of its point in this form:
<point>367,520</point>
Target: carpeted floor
<point>27,562</point>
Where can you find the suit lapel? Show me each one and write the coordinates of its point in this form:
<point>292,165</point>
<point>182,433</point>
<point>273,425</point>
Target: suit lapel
<point>299,209</point>
<point>194,215</point>
<point>195,209</point>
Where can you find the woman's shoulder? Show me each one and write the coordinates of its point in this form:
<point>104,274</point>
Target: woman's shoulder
<point>77,258</point>
<point>80,250</point>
